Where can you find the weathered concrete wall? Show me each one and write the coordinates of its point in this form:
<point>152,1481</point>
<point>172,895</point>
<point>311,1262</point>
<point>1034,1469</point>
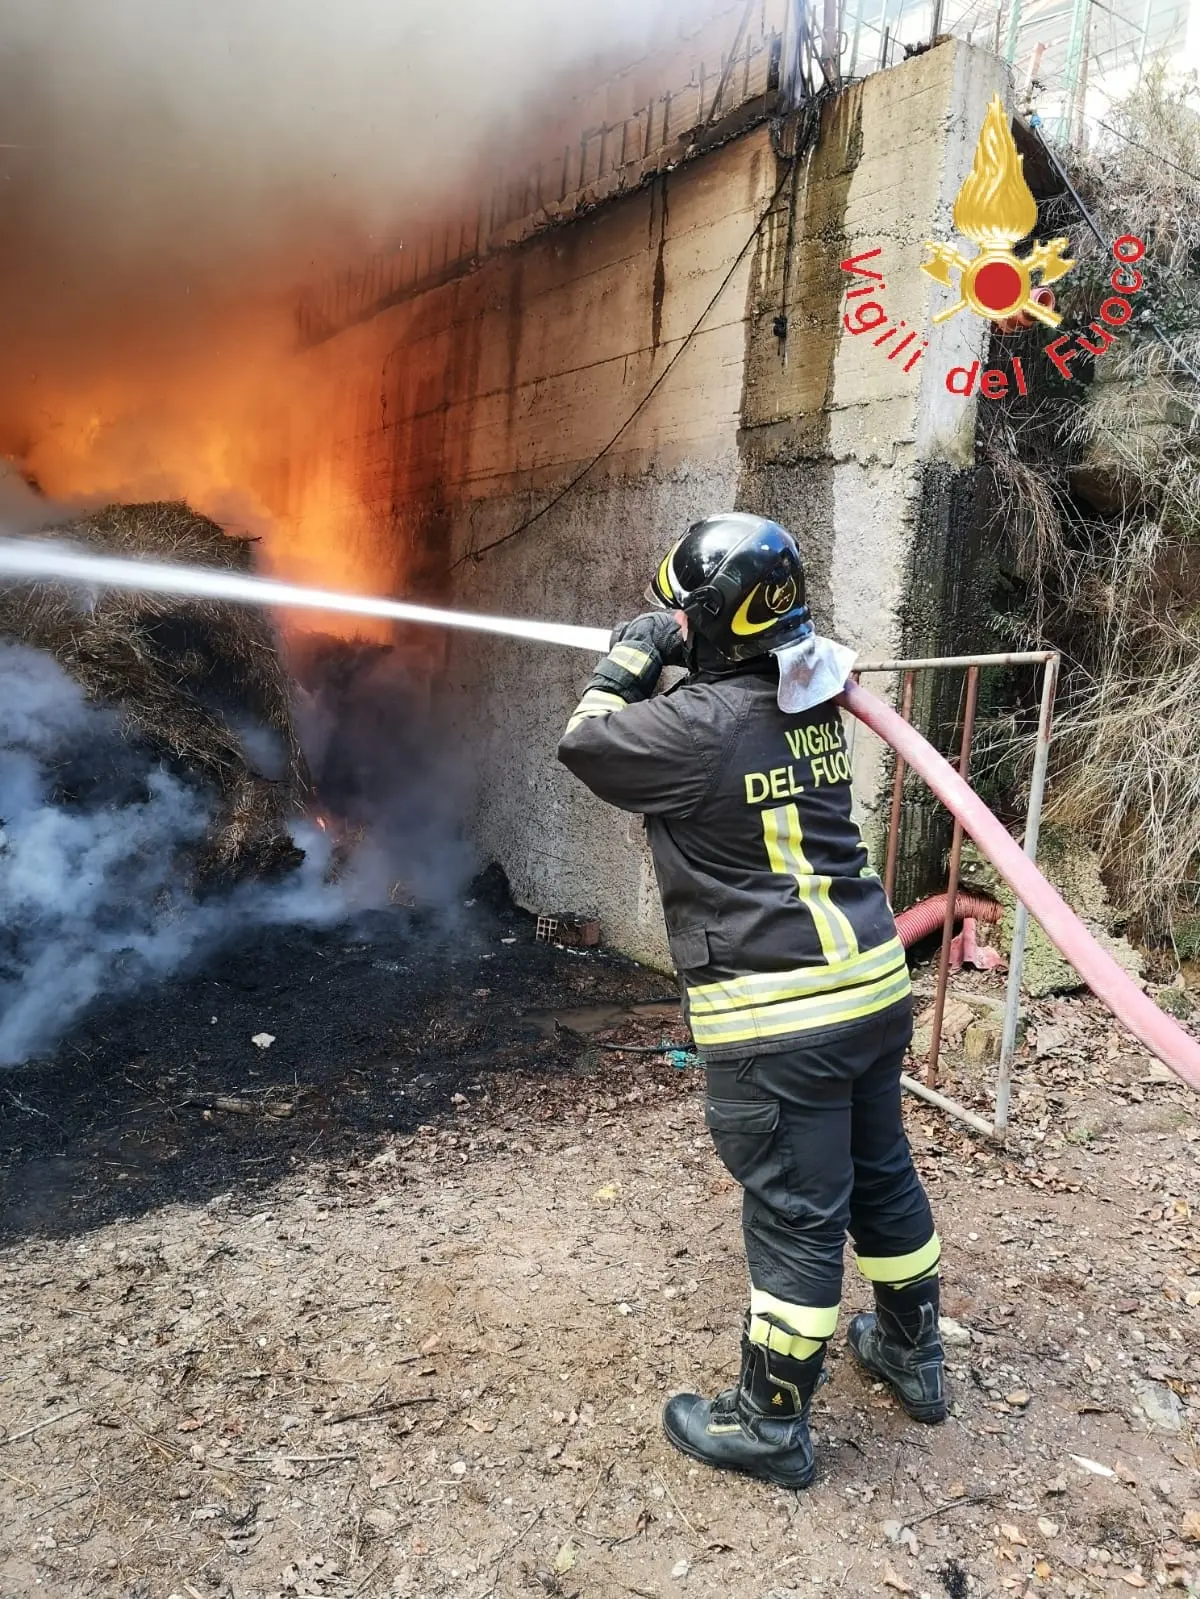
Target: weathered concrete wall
<point>460,413</point>
<point>594,344</point>
<point>860,453</point>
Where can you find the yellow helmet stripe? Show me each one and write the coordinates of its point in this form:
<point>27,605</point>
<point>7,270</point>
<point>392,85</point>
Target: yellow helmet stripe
<point>666,585</point>
<point>741,623</point>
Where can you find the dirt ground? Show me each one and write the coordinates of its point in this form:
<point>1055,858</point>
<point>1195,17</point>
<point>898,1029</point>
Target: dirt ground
<point>390,1308</point>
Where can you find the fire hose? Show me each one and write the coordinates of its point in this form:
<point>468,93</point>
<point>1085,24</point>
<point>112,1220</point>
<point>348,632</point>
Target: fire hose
<point>31,560</point>
<point>1134,1009</point>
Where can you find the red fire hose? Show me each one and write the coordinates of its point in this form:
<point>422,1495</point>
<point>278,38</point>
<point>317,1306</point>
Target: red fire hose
<point>1134,1009</point>
<point>918,921</point>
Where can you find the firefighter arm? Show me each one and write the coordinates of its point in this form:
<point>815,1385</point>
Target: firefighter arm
<point>643,756</point>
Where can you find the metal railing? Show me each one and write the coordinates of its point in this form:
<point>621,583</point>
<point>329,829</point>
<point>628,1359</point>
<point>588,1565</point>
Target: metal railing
<point>972,665</point>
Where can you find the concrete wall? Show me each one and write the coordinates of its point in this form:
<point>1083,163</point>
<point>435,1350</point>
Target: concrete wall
<point>866,457</point>
<point>456,415</point>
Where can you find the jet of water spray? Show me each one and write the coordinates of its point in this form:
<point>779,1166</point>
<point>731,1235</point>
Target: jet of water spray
<point>39,560</point>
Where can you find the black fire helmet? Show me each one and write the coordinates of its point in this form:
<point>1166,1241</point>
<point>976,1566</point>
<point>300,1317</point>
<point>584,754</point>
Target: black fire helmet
<point>739,580</point>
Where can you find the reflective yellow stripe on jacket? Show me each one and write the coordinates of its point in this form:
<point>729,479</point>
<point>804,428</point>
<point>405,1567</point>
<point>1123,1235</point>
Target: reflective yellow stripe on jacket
<point>629,659</point>
<point>785,851</point>
<point>596,702</point>
<point>802,982</point>
<point>849,985</point>
<point>775,1015</point>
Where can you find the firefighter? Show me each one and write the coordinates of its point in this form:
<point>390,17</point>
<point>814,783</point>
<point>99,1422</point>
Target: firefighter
<point>794,981</point>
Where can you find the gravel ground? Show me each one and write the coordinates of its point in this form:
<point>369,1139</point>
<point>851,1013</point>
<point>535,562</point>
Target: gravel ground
<point>401,1322</point>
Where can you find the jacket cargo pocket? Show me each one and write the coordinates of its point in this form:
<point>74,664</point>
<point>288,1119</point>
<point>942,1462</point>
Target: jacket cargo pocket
<point>746,1135</point>
<point>689,948</point>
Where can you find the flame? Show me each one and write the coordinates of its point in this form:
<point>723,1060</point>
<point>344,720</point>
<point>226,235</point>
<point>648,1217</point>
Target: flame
<point>227,416</point>
<point>995,206</point>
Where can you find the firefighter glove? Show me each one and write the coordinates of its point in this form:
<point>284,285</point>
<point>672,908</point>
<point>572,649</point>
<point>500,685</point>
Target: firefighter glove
<point>638,651</point>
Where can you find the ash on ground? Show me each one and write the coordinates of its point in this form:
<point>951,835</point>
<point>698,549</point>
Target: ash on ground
<point>375,1022</point>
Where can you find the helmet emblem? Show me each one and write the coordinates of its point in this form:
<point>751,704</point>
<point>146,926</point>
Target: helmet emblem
<point>763,607</point>
<point>779,598</point>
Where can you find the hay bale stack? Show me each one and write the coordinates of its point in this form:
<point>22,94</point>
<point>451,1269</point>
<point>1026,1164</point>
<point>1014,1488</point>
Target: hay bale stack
<point>201,683</point>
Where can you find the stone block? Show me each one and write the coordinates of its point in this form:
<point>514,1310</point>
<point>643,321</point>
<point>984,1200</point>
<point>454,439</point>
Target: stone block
<point>981,1043</point>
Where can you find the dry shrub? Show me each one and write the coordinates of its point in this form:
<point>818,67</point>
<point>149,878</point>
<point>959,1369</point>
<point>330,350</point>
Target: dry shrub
<point>190,679</point>
<point>1098,494</point>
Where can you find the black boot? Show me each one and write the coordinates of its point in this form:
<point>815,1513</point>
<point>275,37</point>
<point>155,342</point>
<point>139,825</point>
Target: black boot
<point>900,1342</point>
<point>759,1427</point>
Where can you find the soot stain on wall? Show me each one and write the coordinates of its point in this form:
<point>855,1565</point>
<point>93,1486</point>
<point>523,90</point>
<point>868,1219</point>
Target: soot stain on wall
<point>787,470</point>
<point>659,222</point>
<point>429,383</point>
<point>952,573</point>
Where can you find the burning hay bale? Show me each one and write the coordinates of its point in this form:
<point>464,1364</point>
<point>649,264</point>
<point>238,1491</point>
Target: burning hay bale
<point>200,683</point>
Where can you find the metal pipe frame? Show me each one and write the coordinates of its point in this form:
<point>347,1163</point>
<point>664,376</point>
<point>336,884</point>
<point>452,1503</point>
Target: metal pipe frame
<point>997,1128</point>
<point>1033,822</point>
<point>1020,658</point>
<point>943,981</point>
<point>950,1106</point>
<point>889,870</point>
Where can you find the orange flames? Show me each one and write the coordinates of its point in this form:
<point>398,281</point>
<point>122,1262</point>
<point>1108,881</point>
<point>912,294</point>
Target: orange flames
<point>230,418</point>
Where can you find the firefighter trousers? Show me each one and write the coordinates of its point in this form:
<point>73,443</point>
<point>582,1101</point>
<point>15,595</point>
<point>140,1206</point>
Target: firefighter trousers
<point>814,1137</point>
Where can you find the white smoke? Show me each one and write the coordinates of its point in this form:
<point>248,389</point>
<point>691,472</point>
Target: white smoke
<point>80,888</point>
<point>209,121</point>
<point>93,840</point>
<point>159,157</point>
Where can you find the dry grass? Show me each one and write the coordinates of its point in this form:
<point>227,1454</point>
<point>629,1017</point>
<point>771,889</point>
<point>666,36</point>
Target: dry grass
<point>180,675</point>
<point>1134,785</point>
<point>1098,495</point>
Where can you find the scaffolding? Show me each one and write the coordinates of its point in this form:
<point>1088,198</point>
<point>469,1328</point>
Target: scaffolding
<point>1069,56</point>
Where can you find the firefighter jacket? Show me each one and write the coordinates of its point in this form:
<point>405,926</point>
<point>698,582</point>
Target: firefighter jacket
<point>780,931</point>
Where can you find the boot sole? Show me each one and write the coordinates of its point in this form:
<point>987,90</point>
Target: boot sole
<point>927,1415</point>
<point>780,1479</point>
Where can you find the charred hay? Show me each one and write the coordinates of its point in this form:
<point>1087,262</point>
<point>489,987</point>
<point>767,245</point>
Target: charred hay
<point>198,684</point>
